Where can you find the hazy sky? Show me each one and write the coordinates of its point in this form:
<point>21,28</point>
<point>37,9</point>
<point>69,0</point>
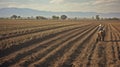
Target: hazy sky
<point>102,6</point>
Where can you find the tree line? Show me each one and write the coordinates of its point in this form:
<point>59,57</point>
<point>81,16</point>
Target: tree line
<point>62,17</point>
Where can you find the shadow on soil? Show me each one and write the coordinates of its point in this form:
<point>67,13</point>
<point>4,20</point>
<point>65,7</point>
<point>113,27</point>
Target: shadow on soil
<point>112,41</point>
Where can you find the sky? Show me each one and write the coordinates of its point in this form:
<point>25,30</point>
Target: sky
<point>99,6</point>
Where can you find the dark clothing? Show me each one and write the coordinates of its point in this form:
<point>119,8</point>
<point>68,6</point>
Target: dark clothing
<point>100,28</point>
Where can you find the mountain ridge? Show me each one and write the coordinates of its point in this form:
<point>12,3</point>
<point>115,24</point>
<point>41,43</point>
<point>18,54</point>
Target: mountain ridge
<point>26,12</point>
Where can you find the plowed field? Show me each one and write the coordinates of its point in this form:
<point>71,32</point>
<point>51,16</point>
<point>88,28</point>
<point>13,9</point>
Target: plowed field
<point>33,43</point>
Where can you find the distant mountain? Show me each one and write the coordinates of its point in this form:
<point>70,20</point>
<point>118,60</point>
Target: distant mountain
<point>25,12</point>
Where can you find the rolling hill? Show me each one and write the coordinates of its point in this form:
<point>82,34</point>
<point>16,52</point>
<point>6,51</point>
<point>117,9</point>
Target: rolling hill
<point>25,12</point>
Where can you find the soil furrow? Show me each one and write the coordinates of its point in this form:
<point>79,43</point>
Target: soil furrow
<point>56,52</point>
<point>49,44</point>
<point>31,31</point>
<point>96,56</point>
<point>84,58</point>
<point>48,49</point>
<point>109,49</point>
<point>41,43</point>
<point>75,50</point>
<point>26,44</point>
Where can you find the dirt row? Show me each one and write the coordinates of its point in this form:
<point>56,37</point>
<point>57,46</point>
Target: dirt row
<point>23,49</point>
<point>74,47</point>
<point>25,31</point>
<point>26,44</point>
<point>21,39</point>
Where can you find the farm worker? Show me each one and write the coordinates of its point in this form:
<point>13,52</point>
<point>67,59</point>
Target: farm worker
<point>100,27</point>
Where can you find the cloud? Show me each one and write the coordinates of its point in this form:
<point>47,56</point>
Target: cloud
<point>65,5</point>
<point>106,6</point>
<point>96,2</point>
<point>56,1</point>
<point>7,4</point>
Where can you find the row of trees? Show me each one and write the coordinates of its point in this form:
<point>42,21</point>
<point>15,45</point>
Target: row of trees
<point>15,17</point>
<point>63,17</point>
<point>97,17</point>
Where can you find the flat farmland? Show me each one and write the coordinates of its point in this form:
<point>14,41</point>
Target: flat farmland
<point>58,43</point>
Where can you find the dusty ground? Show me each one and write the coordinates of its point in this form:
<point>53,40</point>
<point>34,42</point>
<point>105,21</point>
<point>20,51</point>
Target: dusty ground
<point>58,44</point>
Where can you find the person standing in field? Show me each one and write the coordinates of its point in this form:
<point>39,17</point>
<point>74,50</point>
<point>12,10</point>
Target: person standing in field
<point>101,32</point>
